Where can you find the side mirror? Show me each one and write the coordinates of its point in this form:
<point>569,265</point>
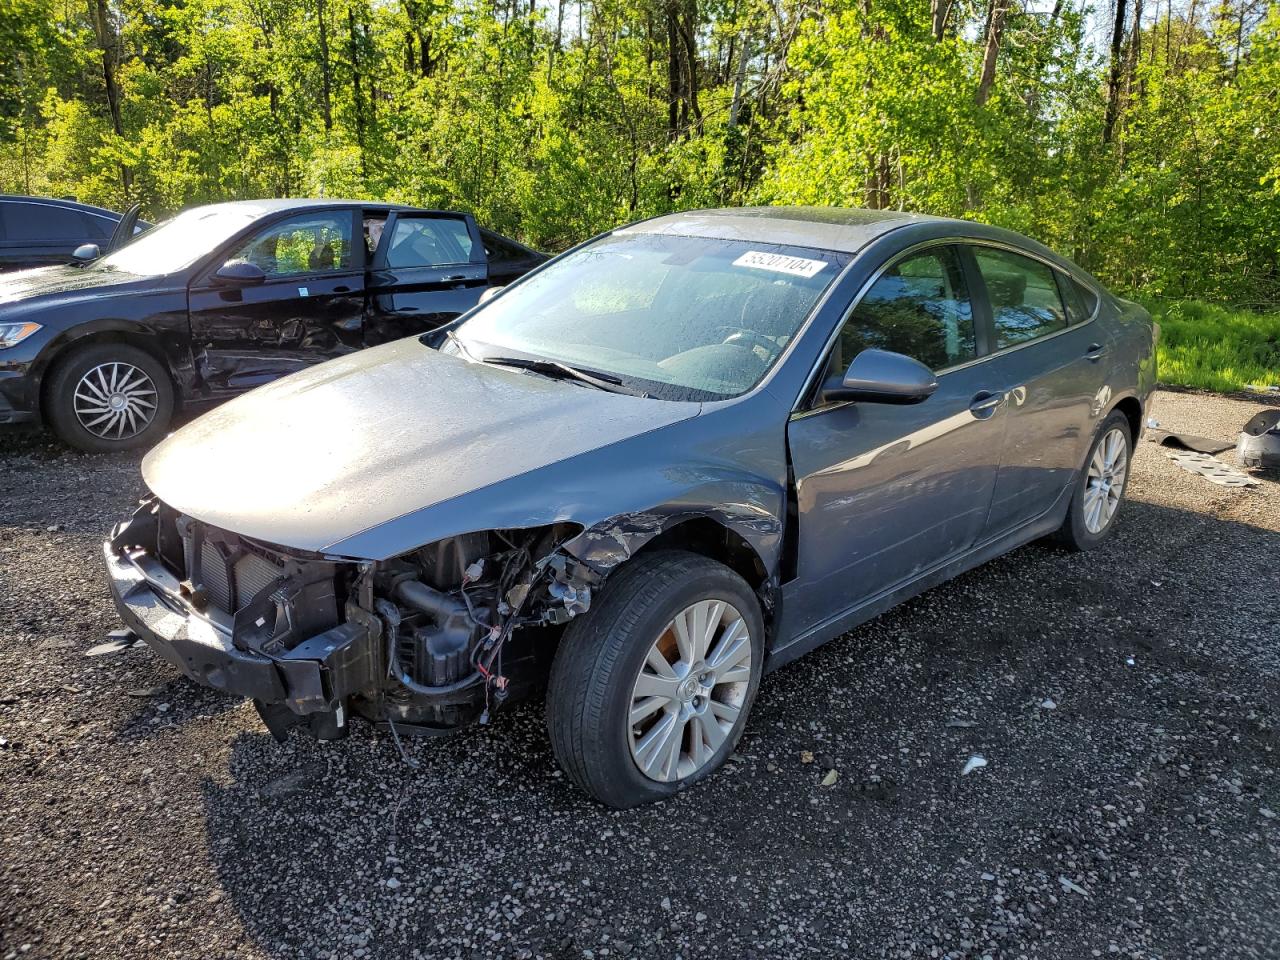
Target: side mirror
<point>86,252</point>
<point>239,273</point>
<point>489,294</point>
<point>880,376</point>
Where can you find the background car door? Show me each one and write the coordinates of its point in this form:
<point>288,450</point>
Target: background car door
<point>428,269</point>
<point>885,492</point>
<point>308,309</point>
<point>1050,369</point>
<point>508,260</point>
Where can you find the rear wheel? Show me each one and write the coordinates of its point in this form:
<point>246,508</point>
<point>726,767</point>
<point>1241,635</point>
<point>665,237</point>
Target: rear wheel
<point>109,396</point>
<point>651,688</point>
<point>1099,491</point>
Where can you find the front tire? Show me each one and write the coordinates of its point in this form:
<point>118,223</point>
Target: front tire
<point>1100,488</point>
<point>109,396</point>
<point>651,688</point>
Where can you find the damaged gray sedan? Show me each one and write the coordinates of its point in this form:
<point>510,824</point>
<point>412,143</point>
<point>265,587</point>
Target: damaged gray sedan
<point>668,461</point>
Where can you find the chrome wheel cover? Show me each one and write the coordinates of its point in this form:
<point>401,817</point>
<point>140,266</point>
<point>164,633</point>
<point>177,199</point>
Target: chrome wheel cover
<point>690,691</point>
<point>1104,483</point>
<point>115,401</point>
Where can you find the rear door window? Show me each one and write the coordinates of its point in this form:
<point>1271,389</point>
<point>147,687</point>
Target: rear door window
<point>1024,296</point>
<point>919,307</point>
<point>38,222</point>
<point>428,242</point>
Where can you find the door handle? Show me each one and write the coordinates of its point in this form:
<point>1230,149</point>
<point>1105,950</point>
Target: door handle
<point>985,402</point>
<point>343,288</point>
<point>456,276</point>
<point>1095,352</point>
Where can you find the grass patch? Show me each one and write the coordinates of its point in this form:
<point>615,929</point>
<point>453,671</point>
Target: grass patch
<point>1216,348</point>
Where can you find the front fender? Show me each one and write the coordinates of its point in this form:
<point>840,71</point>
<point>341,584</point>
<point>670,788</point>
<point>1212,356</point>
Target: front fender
<point>728,465</point>
<point>753,511</point>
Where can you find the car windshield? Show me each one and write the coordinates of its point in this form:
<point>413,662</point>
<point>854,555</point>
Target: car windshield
<point>674,317</point>
<point>178,242</point>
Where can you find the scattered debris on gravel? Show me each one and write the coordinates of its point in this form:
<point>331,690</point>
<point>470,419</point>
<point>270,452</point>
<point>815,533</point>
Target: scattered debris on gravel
<point>1125,701</point>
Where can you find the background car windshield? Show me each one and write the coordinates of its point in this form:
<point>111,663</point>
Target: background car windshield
<point>178,242</point>
<point>682,318</point>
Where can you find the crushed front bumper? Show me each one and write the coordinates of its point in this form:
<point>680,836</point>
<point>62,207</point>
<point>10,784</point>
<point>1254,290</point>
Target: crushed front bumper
<point>312,676</point>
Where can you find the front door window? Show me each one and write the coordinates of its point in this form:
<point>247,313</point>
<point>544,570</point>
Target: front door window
<point>919,307</point>
<point>307,244</point>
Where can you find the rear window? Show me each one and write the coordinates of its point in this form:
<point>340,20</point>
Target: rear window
<point>1087,298</point>
<point>39,222</point>
<point>1025,301</point>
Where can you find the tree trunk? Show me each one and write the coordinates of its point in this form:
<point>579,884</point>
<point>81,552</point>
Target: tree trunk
<point>690,41</point>
<point>739,77</point>
<point>939,10</point>
<point>673,75</point>
<point>1113,82</point>
<point>326,80</point>
<point>356,95</point>
<point>995,30</point>
<point>109,44</point>
<point>1135,50</point>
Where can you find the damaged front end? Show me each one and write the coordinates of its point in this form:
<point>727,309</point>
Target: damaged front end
<point>426,642</point>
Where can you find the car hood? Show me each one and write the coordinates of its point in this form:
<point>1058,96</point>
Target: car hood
<point>57,284</point>
<point>338,449</point>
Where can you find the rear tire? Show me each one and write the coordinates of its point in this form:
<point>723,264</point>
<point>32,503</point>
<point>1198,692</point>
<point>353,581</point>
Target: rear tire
<point>1100,488</point>
<point>609,670</point>
<point>109,396</point>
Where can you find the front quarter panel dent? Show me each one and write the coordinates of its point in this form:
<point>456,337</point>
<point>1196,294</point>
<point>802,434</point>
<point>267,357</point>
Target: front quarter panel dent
<point>611,543</point>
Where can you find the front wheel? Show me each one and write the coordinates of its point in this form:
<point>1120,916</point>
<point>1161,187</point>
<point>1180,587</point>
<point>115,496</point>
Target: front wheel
<point>109,396</point>
<point>651,688</point>
<point>1099,491</point>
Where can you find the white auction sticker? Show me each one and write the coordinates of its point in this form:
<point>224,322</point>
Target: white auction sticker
<point>780,263</point>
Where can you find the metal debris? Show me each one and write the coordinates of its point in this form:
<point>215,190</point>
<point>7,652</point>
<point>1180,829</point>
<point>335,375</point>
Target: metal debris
<point>295,781</point>
<point>1188,441</point>
<point>975,762</point>
<point>1211,468</point>
<point>1071,887</point>
<point>116,642</point>
<point>830,779</point>
<point>1259,446</point>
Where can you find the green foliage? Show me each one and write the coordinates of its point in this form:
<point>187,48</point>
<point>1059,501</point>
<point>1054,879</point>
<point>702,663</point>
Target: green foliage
<point>1216,348</point>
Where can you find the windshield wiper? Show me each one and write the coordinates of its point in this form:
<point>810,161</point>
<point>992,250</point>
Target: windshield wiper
<point>554,368</point>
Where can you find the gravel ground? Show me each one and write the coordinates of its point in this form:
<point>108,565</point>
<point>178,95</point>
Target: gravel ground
<point>1125,701</point>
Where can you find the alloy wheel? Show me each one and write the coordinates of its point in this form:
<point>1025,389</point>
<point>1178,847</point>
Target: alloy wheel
<point>115,401</point>
<point>690,690</point>
<point>1105,482</point>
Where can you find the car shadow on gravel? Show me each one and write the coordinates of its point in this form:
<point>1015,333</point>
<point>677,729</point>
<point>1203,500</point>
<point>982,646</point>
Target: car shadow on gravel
<point>1123,700</point>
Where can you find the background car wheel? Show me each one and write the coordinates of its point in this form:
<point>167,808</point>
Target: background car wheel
<point>650,689</point>
<point>1099,491</point>
<point>109,396</point>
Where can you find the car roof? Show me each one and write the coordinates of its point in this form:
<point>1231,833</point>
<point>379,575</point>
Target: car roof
<point>827,228</point>
<point>842,229</point>
<point>58,202</point>
<point>279,204</point>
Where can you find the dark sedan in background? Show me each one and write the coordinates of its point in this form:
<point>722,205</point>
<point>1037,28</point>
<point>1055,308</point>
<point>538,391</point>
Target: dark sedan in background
<point>225,297</point>
<point>672,459</point>
<point>37,231</point>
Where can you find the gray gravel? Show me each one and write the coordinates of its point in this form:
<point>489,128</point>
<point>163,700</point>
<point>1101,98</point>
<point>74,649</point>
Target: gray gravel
<point>1125,702</point>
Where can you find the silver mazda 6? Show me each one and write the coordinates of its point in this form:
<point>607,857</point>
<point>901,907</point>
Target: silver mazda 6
<point>667,461</point>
